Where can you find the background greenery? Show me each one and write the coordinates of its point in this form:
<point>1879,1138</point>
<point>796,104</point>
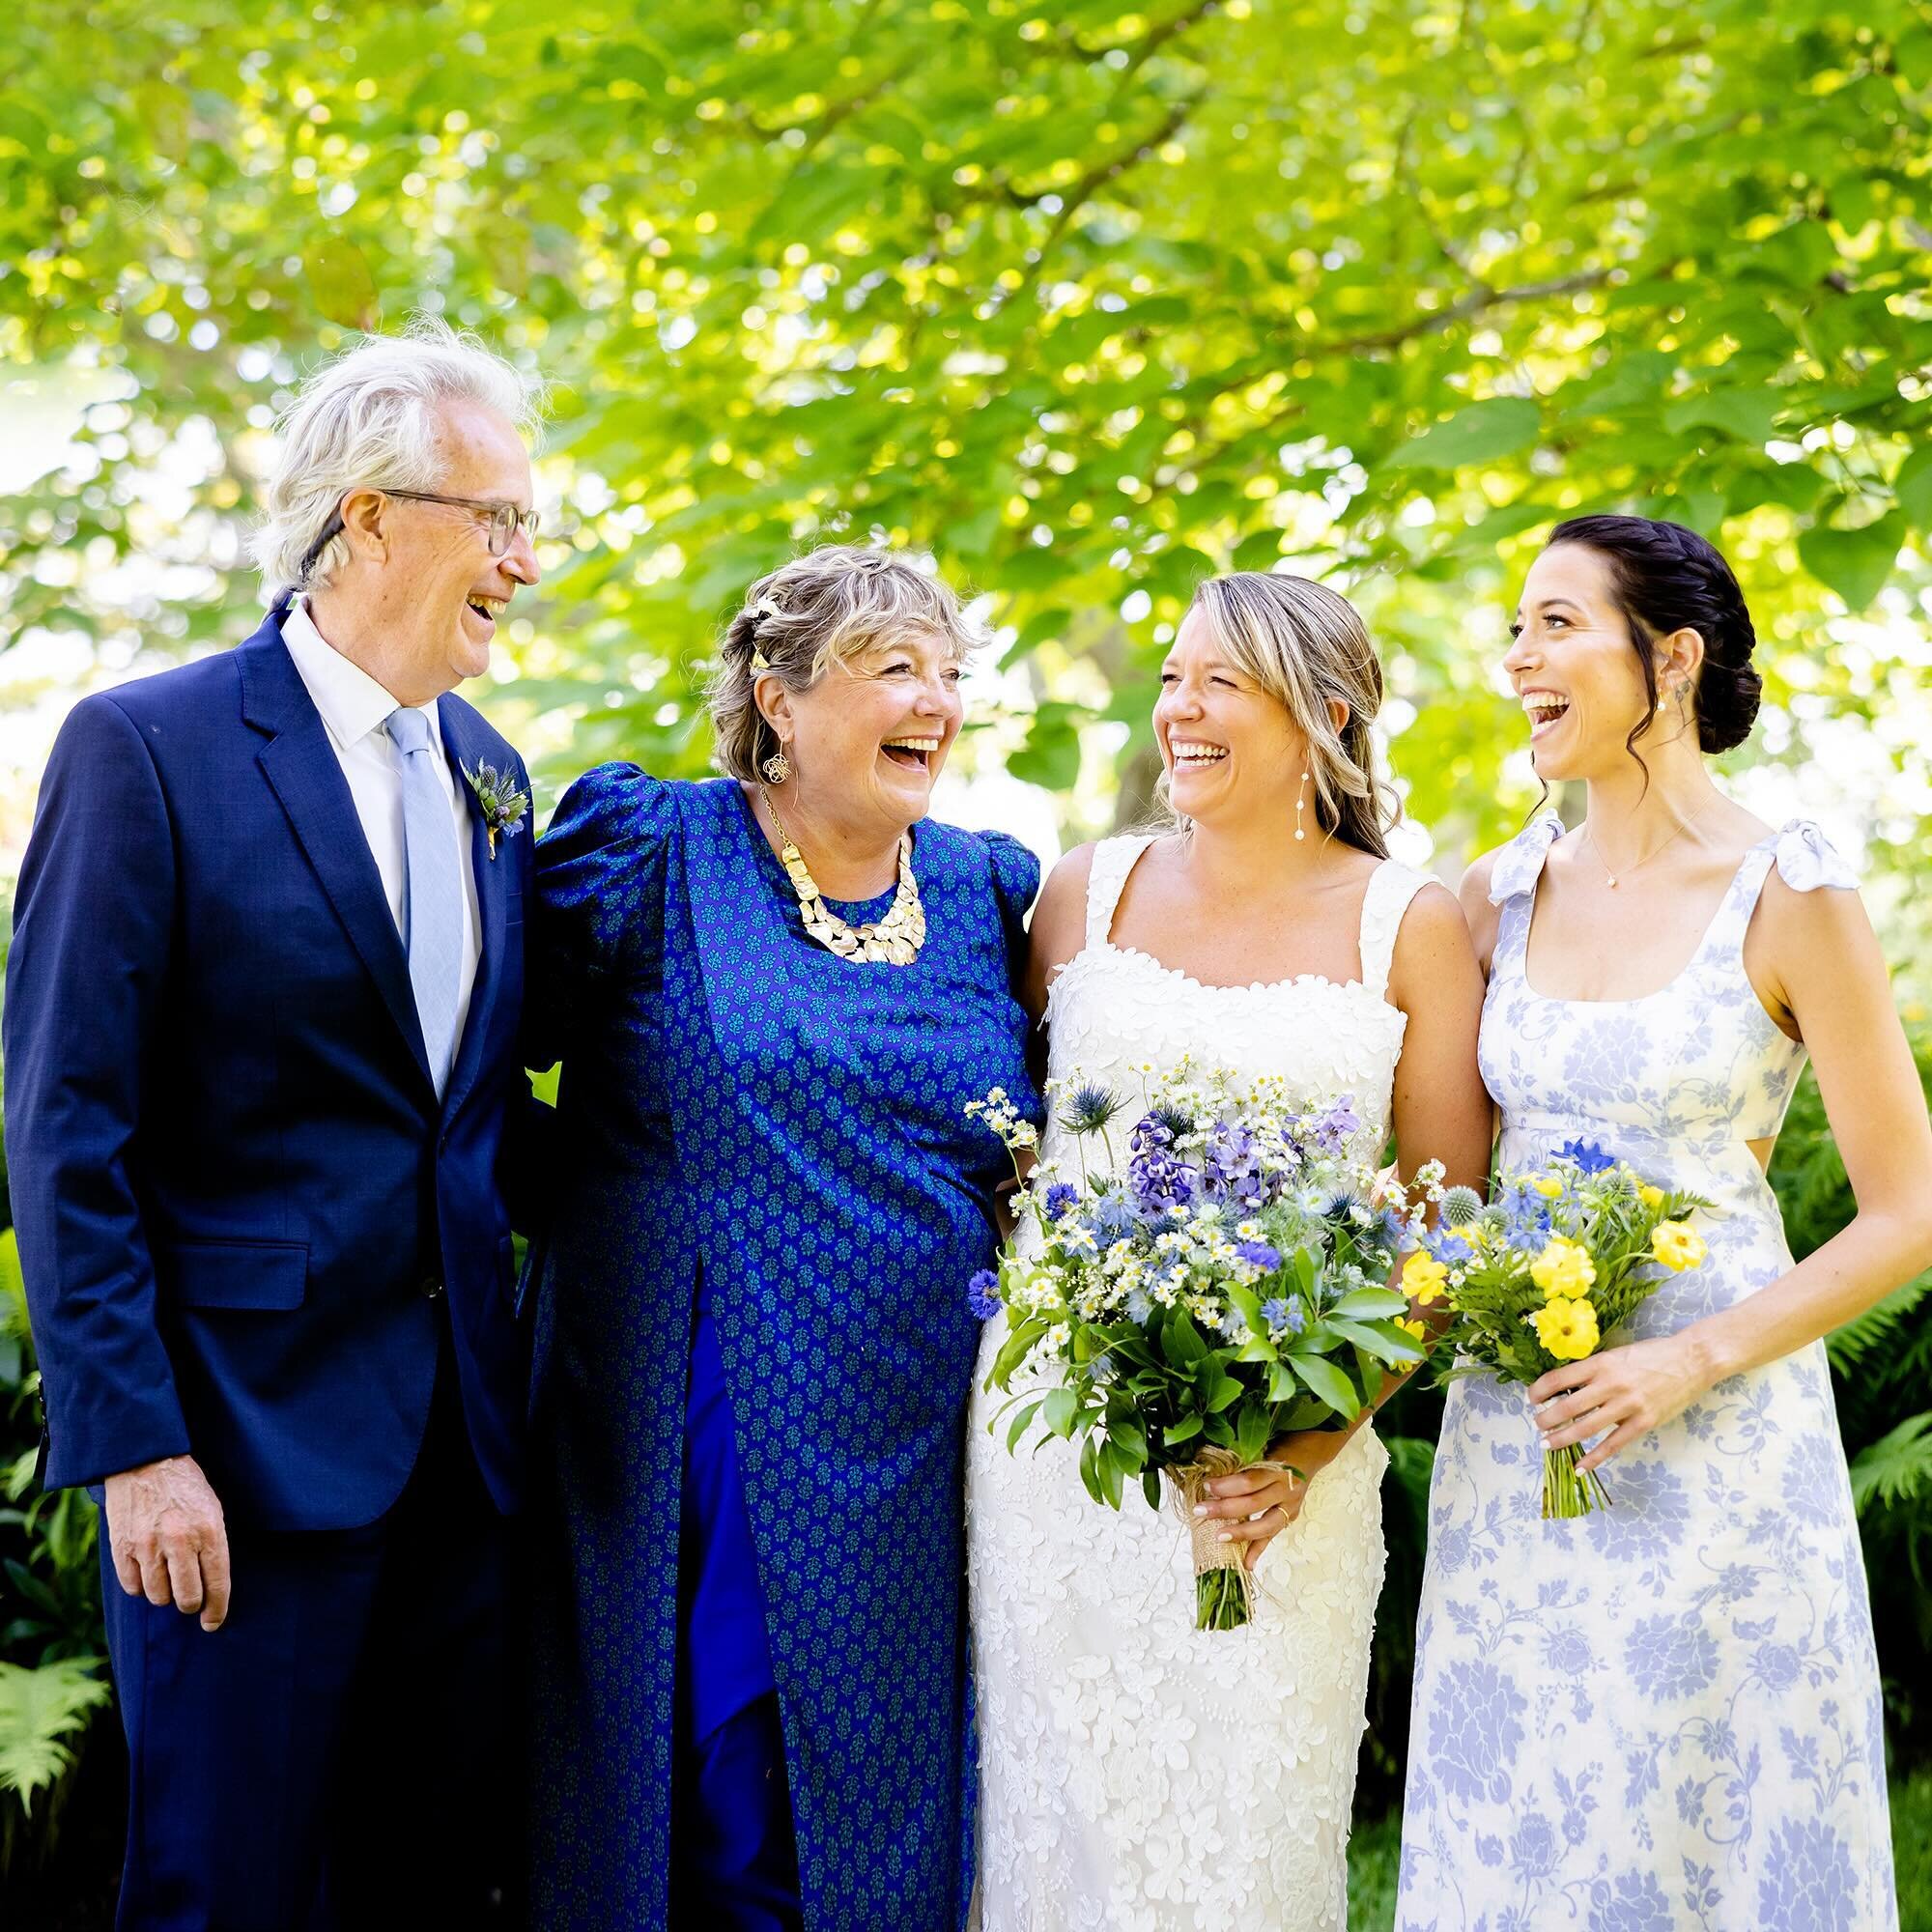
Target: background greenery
<point>1092,299</point>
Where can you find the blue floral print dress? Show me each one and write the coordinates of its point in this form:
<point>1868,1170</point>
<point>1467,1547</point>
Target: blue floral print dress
<point>1664,1717</point>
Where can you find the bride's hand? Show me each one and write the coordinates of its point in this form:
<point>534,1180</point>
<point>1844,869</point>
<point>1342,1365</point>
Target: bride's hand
<point>1257,1504</point>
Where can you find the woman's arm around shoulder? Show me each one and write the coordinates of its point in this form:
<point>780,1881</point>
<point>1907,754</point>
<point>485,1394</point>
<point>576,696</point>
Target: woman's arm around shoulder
<point>1058,928</point>
<point>1442,1111</point>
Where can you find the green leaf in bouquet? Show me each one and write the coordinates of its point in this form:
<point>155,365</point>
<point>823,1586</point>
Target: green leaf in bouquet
<point>1223,1391</point>
<point>1183,1428</point>
<point>1247,1305</point>
<point>1181,1341</point>
<point>1324,1379</point>
<point>1305,1269</point>
<point>1151,1488</point>
<point>1021,1419</point>
<point>1282,1384</point>
<point>1089,1469</point>
<point>1257,1348</point>
<point>1309,1413</point>
<point>1371,1303</point>
<point>1219,1431</point>
<point>1251,1433</point>
<point>1129,1439</point>
<point>1059,1410</point>
<point>1014,1350</point>
<point>1384,1343</point>
<point>1113,1472</point>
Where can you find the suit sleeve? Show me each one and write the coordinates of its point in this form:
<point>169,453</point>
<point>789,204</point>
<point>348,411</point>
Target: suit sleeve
<point>93,924</point>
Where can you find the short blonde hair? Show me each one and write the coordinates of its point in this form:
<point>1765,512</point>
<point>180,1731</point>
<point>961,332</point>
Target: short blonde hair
<point>828,605</point>
<point>369,419</point>
<point>1305,646</point>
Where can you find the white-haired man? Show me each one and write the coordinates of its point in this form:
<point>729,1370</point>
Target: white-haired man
<point>262,1010</point>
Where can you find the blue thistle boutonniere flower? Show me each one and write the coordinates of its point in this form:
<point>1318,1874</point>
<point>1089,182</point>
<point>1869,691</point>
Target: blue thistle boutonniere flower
<point>501,804</point>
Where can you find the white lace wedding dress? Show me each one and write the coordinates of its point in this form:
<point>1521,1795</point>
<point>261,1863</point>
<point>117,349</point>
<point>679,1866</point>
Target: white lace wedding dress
<point>1138,1774</point>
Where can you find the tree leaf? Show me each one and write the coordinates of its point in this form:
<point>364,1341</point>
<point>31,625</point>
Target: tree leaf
<point>1854,563</point>
<point>1482,433</point>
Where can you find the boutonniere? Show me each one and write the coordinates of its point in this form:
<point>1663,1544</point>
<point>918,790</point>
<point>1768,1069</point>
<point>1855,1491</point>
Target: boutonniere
<point>501,804</point>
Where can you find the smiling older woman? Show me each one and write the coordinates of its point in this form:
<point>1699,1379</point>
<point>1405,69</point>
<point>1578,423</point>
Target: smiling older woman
<point>772,995</point>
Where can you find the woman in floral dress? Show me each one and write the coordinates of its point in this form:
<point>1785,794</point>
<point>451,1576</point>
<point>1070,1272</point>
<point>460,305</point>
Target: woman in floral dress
<point>1667,1716</point>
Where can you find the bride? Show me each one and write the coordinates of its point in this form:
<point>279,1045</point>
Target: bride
<point>1136,1773</point>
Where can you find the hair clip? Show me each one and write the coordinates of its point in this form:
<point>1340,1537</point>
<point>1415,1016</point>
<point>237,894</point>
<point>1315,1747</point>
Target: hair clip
<point>759,662</point>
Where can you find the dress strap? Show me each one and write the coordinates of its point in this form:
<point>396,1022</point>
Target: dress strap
<point>1805,860</point>
<point>1107,878</point>
<point>1513,882</point>
<point>1391,887</point>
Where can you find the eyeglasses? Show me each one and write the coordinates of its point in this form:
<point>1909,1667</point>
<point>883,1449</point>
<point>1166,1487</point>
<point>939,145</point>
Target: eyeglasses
<point>500,520</point>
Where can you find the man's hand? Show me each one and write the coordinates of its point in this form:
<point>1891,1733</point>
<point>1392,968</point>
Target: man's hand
<point>167,1538</point>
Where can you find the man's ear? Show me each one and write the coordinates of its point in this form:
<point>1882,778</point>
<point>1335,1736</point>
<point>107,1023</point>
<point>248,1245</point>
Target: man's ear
<point>365,524</point>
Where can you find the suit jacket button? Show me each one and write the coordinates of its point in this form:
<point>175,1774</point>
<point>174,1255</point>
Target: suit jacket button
<point>431,1287</point>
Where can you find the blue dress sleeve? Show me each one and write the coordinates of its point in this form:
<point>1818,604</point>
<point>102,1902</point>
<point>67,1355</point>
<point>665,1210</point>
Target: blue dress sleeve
<point>598,921</point>
<point>1016,875</point>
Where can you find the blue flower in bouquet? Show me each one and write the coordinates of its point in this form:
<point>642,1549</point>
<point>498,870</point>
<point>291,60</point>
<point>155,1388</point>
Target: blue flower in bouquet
<point>1278,1313</point>
<point>1111,1218</point>
<point>1140,1305</point>
<point>1230,1166</point>
<point>1526,1217</point>
<point>1158,1178</point>
<point>1060,1199</point>
<point>1234,1326</point>
<point>1390,1230</point>
<point>1586,1156</point>
<point>1258,1255</point>
<point>1339,1207</point>
<point>982,1295</point>
<point>1334,1126</point>
<point>1447,1246</point>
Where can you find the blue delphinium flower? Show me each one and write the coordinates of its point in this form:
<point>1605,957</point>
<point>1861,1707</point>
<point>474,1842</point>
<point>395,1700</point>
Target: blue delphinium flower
<point>1390,1230</point>
<point>982,1295</point>
<point>1158,1178</point>
<point>1258,1255</point>
<point>1445,1245</point>
<point>1060,1197</point>
<point>1586,1156</point>
<point>1229,1167</point>
<point>1279,1313</point>
<point>1140,1305</point>
<point>1333,1127</point>
<point>1234,1325</point>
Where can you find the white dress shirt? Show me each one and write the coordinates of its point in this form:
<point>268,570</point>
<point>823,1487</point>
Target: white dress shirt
<point>355,711</point>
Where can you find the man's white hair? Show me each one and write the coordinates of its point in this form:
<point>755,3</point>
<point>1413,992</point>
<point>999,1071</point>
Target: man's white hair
<point>368,420</point>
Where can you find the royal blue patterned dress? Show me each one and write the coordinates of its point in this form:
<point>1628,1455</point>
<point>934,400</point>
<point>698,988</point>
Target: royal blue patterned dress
<point>739,1105</point>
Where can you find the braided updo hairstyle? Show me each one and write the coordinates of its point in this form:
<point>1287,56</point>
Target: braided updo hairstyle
<point>1668,578</point>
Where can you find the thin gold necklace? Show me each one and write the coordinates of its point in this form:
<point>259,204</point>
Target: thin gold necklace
<point>1647,857</point>
<point>892,941</point>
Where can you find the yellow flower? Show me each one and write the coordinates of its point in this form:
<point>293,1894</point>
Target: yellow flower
<point>1563,1270</point>
<point>1651,1196</point>
<point>1416,1331</point>
<point>1423,1277</point>
<point>1547,1185</point>
<point>1568,1329</point>
<point>1677,1246</point>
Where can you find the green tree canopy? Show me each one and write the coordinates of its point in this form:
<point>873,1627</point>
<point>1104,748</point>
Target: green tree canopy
<point>1092,301</point>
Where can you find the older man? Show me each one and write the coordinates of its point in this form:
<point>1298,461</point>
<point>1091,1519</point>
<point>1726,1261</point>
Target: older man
<point>261,1020</point>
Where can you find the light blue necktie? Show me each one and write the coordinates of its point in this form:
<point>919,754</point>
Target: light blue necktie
<point>432,892</point>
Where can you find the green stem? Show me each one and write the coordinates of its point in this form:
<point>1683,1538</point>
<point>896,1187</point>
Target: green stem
<point>1220,1603</point>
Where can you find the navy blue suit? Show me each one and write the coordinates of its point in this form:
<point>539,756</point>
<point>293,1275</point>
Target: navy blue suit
<point>252,1233</point>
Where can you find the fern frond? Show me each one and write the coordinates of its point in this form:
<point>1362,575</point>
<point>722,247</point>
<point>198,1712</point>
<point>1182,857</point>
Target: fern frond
<point>1849,1345</point>
<point>39,1711</point>
<point>1896,1469</point>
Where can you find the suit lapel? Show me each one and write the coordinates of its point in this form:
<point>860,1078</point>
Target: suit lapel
<point>465,749</point>
<point>301,763</point>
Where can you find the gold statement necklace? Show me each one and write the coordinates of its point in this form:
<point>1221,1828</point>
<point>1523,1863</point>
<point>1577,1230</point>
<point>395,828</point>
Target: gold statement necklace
<point>893,941</point>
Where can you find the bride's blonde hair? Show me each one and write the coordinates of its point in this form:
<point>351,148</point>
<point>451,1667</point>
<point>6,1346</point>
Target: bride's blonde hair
<point>1305,646</point>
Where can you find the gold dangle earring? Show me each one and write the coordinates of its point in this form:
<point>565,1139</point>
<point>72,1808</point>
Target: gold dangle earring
<point>1300,801</point>
<point>776,768</point>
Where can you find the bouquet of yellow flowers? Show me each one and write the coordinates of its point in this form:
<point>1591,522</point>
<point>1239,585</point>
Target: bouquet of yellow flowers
<point>1565,1255</point>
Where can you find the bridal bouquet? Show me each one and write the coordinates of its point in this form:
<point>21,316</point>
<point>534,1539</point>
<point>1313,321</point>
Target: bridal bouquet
<point>1227,1286</point>
<point>1566,1253</point>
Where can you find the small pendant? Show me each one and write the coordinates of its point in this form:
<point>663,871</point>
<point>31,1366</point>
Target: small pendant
<point>1614,883</point>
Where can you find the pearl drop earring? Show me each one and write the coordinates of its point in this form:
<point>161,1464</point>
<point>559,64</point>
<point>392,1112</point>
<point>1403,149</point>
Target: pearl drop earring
<point>1300,800</point>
